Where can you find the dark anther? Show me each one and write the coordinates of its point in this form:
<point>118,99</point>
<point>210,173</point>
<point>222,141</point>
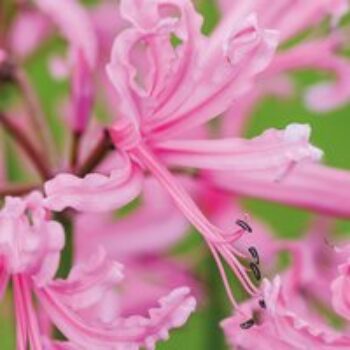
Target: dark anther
<point>247,324</point>
<point>262,304</point>
<point>254,253</point>
<point>255,270</point>
<point>244,225</point>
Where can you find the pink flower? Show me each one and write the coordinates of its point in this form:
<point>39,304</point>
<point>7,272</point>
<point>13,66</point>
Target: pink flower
<point>141,241</point>
<point>291,18</point>
<point>83,305</point>
<point>153,80</point>
<point>276,324</point>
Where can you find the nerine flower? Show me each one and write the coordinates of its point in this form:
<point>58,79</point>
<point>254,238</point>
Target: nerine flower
<point>167,89</point>
<point>82,306</point>
<point>291,18</point>
<point>277,324</point>
<point>306,186</point>
<point>294,311</point>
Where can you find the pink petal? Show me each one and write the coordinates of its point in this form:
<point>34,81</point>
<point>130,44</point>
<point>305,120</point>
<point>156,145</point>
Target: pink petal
<point>311,186</point>
<point>280,327</point>
<point>88,281</point>
<point>171,89</point>
<point>326,95</point>
<point>288,16</point>
<point>30,246</point>
<point>152,228</point>
<point>129,333</point>
<point>274,149</point>
<point>28,31</point>
<point>218,79</point>
<point>74,23</point>
<point>94,192</point>
<point>341,287</point>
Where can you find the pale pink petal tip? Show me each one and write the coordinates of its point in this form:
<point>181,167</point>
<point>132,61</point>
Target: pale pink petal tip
<point>244,40</point>
<point>295,133</point>
<point>328,96</point>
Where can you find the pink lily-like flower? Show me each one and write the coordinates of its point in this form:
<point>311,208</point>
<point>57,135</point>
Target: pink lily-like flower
<point>154,81</point>
<point>140,241</point>
<point>307,185</point>
<point>275,323</point>
<point>341,286</point>
<point>291,313</point>
<point>81,305</point>
<point>291,18</point>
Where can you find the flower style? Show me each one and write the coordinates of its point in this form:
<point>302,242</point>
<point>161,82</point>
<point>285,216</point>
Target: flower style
<point>82,305</point>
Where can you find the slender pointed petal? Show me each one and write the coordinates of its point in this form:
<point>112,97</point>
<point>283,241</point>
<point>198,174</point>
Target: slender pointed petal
<point>273,149</point>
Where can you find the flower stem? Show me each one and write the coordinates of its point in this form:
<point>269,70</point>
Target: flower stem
<point>98,154</point>
<point>16,190</point>
<point>36,116</point>
<point>23,141</point>
<point>74,156</point>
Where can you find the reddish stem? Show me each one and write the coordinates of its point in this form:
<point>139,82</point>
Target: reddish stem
<point>97,155</point>
<point>17,190</point>
<point>22,140</point>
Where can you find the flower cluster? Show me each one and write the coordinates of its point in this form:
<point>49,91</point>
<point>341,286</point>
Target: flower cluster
<point>150,148</point>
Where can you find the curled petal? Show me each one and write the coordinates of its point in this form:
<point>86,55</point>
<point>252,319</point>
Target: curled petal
<point>226,68</point>
<point>129,333</point>
<point>324,96</point>
<point>88,282</point>
<point>29,242</point>
<point>288,16</point>
<point>94,192</point>
<point>173,89</point>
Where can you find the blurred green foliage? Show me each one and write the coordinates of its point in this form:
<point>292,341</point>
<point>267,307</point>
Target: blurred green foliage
<point>330,133</point>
